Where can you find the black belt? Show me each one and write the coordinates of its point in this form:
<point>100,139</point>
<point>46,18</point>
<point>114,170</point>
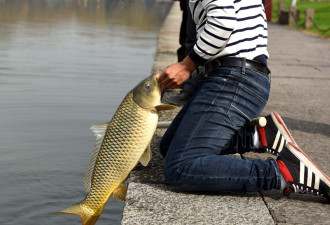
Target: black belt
<point>236,62</point>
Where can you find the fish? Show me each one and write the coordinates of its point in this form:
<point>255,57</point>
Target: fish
<point>119,146</point>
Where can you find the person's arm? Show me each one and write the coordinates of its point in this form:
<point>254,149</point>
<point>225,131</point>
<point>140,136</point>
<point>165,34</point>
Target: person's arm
<point>220,23</point>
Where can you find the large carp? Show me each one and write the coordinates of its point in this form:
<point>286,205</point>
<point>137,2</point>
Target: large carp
<point>119,146</point>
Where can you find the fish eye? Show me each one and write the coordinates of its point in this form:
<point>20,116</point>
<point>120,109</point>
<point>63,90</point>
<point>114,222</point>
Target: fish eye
<point>147,86</point>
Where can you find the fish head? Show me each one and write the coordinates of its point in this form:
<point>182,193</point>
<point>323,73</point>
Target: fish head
<point>147,93</point>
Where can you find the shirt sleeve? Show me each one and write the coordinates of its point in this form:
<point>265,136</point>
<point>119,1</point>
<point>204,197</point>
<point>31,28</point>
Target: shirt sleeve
<point>216,29</point>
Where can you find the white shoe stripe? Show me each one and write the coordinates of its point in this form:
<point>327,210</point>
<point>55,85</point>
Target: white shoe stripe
<point>282,144</point>
<point>278,135</point>
<point>317,183</point>
<point>302,170</point>
<point>309,178</point>
<point>309,164</point>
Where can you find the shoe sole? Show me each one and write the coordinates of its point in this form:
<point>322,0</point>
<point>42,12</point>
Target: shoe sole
<point>282,127</point>
<point>308,162</point>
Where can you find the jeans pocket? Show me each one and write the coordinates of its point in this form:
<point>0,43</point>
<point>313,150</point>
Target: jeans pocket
<point>246,105</point>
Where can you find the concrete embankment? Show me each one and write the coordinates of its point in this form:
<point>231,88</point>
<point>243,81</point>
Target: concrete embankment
<point>300,65</point>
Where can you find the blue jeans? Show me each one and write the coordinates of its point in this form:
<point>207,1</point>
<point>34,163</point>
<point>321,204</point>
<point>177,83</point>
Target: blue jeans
<point>211,126</point>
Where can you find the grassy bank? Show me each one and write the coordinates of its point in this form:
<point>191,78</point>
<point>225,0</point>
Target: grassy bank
<point>321,17</point>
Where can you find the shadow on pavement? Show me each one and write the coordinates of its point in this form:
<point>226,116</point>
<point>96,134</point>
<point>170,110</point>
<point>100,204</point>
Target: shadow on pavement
<point>308,126</point>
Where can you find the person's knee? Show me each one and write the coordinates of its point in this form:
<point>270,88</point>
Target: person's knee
<point>171,173</point>
<point>163,147</point>
<point>174,174</point>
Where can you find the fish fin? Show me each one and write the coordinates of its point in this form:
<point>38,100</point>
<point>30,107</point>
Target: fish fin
<point>164,107</point>
<point>146,156</point>
<point>120,192</point>
<point>86,217</point>
<point>99,131</point>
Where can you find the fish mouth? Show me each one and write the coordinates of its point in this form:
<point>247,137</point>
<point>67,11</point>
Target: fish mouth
<point>160,86</point>
<point>156,76</point>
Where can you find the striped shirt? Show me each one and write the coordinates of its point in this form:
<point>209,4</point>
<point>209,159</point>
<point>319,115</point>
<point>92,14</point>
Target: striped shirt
<point>236,28</point>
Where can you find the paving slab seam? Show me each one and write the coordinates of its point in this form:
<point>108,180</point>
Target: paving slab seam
<point>269,209</point>
<point>264,200</point>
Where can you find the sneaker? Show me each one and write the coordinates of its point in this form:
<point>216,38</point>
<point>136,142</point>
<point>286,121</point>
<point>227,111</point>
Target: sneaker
<point>301,173</point>
<point>275,135</point>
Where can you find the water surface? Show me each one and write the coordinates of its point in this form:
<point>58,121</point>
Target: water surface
<point>64,66</point>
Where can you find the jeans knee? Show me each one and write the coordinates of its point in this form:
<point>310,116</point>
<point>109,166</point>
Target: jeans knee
<point>163,148</point>
<point>171,174</point>
<point>175,174</point>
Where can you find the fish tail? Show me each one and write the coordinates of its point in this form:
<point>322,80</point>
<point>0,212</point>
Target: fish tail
<point>87,216</point>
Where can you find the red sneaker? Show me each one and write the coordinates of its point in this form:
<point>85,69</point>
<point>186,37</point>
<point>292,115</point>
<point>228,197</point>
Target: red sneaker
<point>275,135</point>
<point>301,173</point>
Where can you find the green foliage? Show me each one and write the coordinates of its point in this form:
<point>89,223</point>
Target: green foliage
<point>321,17</point>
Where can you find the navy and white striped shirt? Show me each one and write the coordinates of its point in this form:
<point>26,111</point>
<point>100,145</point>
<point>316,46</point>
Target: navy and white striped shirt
<point>236,28</point>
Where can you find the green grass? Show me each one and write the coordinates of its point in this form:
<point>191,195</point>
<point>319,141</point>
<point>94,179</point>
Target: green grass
<point>321,17</point>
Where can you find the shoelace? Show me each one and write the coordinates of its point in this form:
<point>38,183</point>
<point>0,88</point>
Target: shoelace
<point>272,151</point>
<point>300,189</point>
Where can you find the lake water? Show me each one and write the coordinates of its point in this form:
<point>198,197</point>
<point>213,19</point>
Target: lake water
<point>64,66</point>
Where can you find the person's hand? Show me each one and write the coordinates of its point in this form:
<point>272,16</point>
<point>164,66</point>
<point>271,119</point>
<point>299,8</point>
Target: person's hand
<point>175,74</point>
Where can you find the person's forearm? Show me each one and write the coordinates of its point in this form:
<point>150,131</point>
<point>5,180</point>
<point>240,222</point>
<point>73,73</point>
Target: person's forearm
<point>190,64</point>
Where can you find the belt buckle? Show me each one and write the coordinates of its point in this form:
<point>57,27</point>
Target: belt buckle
<point>219,63</point>
<point>212,66</point>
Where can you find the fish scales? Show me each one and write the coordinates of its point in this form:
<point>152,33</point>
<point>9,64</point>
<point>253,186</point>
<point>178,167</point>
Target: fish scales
<point>119,146</point>
<point>127,136</point>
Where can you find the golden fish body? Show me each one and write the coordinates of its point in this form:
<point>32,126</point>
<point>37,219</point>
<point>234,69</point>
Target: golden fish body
<point>127,137</point>
<point>126,142</point>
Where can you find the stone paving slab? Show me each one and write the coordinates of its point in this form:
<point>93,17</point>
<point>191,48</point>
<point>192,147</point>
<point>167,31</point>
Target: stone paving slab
<point>163,204</point>
<point>300,92</point>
